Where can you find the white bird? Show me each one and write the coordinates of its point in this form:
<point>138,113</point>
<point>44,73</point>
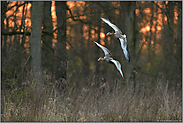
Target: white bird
<point>108,58</point>
<point>120,37</point>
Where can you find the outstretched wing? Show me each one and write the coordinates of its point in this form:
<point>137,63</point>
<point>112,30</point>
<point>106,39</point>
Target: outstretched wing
<point>118,66</point>
<point>116,29</point>
<point>124,46</point>
<point>106,51</point>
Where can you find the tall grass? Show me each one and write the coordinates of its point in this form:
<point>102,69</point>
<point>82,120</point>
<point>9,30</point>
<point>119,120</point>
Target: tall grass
<point>90,103</point>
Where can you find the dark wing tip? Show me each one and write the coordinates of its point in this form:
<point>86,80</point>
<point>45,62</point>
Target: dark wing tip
<point>129,59</point>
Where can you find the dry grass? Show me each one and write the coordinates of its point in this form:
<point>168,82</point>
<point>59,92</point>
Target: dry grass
<point>93,104</point>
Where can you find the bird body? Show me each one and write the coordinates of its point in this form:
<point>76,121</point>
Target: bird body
<point>108,58</point>
<point>122,38</point>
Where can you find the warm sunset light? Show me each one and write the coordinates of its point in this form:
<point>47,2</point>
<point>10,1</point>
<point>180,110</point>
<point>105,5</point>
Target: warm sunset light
<point>54,19</point>
<point>159,27</point>
<point>67,46</point>
<point>5,22</point>
<point>165,18</point>
<point>137,11</point>
<point>29,5</point>
<point>148,28</point>
<point>102,35</point>
<point>147,10</point>
<point>108,38</point>
<point>117,12</point>
<point>71,4</point>
<point>28,22</point>
<point>102,42</point>
<point>93,31</point>
<point>53,13</point>
<point>83,17</point>
<point>145,29</point>
<point>176,17</point>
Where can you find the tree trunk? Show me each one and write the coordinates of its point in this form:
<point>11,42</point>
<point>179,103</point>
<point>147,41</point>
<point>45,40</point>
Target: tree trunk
<point>154,44</point>
<point>168,44</point>
<point>122,15</point>
<point>107,45</point>
<point>60,46</point>
<point>47,50</point>
<point>131,24</point>
<point>3,26</point>
<point>124,28</point>
<point>35,42</point>
<point>98,50</point>
<point>22,26</point>
<point>179,47</point>
<point>84,56</point>
<point>150,36</point>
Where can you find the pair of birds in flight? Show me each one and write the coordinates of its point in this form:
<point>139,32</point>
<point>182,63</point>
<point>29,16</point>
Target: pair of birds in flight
<point>122,38</point>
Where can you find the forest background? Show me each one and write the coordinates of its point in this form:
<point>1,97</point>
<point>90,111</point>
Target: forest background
<point>49,68</point>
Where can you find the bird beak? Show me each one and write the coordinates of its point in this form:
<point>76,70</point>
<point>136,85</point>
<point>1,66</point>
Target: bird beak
<point>107,34</point>
<point>98,59</point>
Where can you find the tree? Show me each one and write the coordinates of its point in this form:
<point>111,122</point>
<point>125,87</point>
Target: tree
<point>47,49</point>
<point>132,43</point>
<point>179,45</point>
<point>60,47</point>
<point>168,41</point>
<point>150,35</point>
<point>3,16</point>
<point>35,42</point>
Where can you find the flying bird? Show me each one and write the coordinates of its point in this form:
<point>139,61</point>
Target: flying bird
<point>122,38</point>
<point>109,59</point>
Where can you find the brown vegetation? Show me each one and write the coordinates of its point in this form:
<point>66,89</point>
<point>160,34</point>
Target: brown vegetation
<point>106,103</point>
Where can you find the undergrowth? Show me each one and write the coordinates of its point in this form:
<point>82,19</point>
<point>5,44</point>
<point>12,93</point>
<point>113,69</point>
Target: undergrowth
<point>90,103</point>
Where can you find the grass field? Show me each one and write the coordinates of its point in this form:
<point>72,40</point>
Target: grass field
<point>104,103</point>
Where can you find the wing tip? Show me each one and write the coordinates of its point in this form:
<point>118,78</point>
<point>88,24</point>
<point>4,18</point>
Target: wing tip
<point>102,18</point>
<point>94,42</point>
<point>105,19</point>
<point>128,59</point>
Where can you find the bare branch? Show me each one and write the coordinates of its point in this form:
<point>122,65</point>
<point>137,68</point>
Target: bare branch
<point>166,13</point>
<point>15,32</point>
<point>26,2</point>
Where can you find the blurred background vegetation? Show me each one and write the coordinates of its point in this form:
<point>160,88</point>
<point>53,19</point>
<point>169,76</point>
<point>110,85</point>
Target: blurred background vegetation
<point>47,56</point>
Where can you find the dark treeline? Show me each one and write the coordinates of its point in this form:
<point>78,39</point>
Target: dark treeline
<point>153,32</point>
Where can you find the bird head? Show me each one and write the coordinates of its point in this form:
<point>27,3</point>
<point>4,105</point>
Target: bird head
<point>124,36</point>
<point>109,33</point>
<point>100,59</point>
